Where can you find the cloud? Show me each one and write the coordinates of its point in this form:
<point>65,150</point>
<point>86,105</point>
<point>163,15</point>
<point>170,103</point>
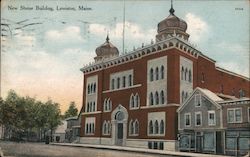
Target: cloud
<point>67,34</point>
<point>197,28</point>
<point>235,48</point>
<point>132,31</point>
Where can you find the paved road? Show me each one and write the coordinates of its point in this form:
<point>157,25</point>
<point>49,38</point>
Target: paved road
<point>42,150</point>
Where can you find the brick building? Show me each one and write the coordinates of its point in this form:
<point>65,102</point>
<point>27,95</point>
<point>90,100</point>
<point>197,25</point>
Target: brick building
<point>131,99</point>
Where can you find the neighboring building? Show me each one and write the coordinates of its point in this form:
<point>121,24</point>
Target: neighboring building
<point>59,133</point>
<point>209,124</point>
<point>73,129</point>
<point>131,99</point>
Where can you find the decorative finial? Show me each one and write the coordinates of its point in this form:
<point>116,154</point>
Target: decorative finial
<point>171,9</point>
<point>107,38</point>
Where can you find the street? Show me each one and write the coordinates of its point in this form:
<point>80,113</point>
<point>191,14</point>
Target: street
<point>43,150</point>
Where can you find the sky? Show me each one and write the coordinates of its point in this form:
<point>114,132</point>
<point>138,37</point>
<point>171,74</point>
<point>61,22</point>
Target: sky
<point>42,51</point>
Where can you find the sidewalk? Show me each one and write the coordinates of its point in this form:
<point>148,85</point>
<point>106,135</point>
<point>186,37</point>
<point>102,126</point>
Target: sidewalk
<point>139,150</point>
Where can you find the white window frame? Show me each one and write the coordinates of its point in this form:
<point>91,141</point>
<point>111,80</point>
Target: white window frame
<point>198,113</point>
<point>197,96</point>
<point>208,118</point>
<point>234,115</point>
<point>187,114</point>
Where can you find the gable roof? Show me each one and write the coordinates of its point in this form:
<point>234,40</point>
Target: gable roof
<point>206,93</point>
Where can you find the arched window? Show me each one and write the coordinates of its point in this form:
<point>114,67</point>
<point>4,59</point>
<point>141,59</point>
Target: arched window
<point>151,74</point>
<point>186,96</point>
<point>118,83</point>
<point>130,80</point>
<point>182,73</point>
<point>88,89</point>
<point>113,84</point>
<point>91,88</point>
<point>202,77</point>
<point>151,98</point>
<point>162,72</point>
<point>182,96</point>
<point>109,104</point>
<point>156,98</point>
<point>87,108</point>
<point>132,102</point>
<point>94,88</point>
<point>156,73</point>
<point>162,97</point>
<point>131,127</point>
<point>156,127</point>
<point>93,106</point>
<point>186,73</point>
<point>137,100</point>
<point>87,128</point>
<point>104,128</point>
<point>93,128</point>
<point>124,81</point>
<point>105,106</point>
<point>136,127</point>
<point>108,127</point>
<point>189,76</point>
<point>151,127</point>
<point>162,127</point>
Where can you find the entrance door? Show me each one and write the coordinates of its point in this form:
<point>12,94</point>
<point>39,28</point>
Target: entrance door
<point>219,148</point>
<point>198,143</point>
<point>119,134</point>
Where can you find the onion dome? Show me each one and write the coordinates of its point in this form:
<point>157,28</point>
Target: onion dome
<point>106,50</point>
<point>170,26</point>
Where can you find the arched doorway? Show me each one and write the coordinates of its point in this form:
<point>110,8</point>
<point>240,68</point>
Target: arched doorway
<point>119,125</point>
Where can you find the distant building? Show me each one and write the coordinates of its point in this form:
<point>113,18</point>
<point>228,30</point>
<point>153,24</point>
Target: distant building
<point>73,129</point>
<point>59,133</point>
<point>212,123</point>
<point>131,99</point>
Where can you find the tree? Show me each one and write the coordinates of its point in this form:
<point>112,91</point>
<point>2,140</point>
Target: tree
<point>72,110</point>
<point>53,116</point>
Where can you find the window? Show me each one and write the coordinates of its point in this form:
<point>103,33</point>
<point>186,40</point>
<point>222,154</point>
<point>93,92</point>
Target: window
<point>189,76</point>
<point>131,127</point>
<point>202,77</point>
<point>93,109</point>
<point>234,115</point>
<point>186,95</point>
<point>94,88</point>
<point>241,93</point>
<point>162,72</point>
<point>162,97</point>
<point>136,100</point>
<point>197,100</point>
<point>113,84</point>
<point>132,105</point>
<point>151,97</point>
<point>151,128</point>
<point>124,81</point>
<point>151,74</point>
<point>211,118</point>
<point>182,73</point>
<point>162,127</point>
<point>104,127</point>
<point>182,96</point>
<point>136,127</point>
<point>187,119</point>
<point>118,83</point>
<point>238,115</point>
<point>198,119</point>
<point>156,127</point>
<point>156,98</point>
<point>186,73</point>
<point>130,80</point>
<point>156,73</point>
<point>107,104</point>
<point>88,89</point>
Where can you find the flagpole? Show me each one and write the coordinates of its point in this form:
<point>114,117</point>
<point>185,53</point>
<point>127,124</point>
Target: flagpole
<point>123,31</point>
